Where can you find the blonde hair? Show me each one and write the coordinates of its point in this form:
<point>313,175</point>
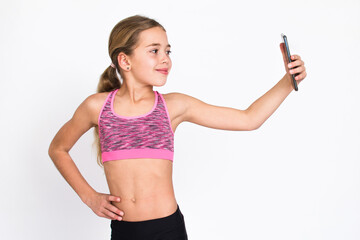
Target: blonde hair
<point>124,38</point>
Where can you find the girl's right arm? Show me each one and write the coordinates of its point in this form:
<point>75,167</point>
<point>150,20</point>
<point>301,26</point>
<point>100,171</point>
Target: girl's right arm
<point>84,118</point>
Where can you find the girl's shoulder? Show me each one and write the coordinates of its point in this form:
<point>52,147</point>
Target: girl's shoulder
<point>172,99</point>
<point>96,100</point>
<point>94,103</point>
<point>176,104</point>
<point>176,99</point>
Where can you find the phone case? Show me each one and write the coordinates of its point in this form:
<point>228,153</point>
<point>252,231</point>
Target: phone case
<point>288,55</point>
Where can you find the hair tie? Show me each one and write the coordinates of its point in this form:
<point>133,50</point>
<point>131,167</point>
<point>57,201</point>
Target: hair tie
<point>112,65</point>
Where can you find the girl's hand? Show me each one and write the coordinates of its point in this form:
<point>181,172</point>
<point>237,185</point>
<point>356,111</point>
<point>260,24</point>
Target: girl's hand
<point>101,205</point>
<point>295,67</point>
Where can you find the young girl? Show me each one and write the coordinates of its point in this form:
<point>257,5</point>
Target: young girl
<point>134,128</point>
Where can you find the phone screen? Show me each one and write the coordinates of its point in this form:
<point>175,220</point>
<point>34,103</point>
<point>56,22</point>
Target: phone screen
<point>288,56</point>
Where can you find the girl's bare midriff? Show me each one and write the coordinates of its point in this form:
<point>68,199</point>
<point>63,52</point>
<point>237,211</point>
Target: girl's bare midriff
<point>144,186</point>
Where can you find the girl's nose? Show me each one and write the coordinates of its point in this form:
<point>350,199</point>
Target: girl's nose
<point>165,59</point>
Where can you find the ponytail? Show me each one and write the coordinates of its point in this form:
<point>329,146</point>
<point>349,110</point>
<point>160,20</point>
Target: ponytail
<point>108,80</point>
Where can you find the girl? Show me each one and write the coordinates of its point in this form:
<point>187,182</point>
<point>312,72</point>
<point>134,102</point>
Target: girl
<point>134,130</point>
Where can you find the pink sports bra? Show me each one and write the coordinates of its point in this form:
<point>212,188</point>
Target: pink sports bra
<point>146,136</point>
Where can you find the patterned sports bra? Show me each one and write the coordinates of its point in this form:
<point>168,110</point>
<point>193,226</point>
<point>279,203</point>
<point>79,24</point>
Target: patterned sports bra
<point>146,136</point>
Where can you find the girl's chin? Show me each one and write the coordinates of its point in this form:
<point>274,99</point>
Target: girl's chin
<point>159,83</point>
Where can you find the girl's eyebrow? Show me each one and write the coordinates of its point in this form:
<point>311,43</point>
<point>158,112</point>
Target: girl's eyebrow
<point>157,44</point>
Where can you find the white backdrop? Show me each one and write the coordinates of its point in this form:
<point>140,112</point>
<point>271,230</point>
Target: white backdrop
<point>296,177</point>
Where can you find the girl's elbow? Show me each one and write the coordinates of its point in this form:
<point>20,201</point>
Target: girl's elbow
<point>248,128</point>
<point>254,126</point>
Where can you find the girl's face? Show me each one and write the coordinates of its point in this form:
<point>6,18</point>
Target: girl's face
<point>150,55</point>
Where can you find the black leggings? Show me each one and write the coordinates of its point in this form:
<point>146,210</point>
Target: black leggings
<point>171,227</point>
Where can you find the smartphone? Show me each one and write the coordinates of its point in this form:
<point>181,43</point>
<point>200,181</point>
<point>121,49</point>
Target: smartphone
<point>288,56</point>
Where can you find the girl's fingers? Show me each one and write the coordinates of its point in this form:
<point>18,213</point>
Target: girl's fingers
<point>294,57</point>
<point>300,76</point>
<point>114,209</point>
<point>112,215</point>
<point>295,63</point>
<point>297,67</point>
<point>111,198</point>
<point>103,215</point>
<point>297,70</point>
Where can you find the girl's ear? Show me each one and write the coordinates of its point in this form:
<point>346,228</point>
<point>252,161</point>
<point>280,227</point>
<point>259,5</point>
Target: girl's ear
<point>123,61</point>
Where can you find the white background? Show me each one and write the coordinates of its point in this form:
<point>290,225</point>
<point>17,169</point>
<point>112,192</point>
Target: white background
<point>296,177</point>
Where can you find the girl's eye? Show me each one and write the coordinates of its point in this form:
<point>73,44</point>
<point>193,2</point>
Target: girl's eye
<point>158,50</point>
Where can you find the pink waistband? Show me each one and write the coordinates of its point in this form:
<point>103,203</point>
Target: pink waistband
<point>137,153</point>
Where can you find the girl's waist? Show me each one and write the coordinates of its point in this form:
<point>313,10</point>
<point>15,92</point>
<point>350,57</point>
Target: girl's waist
<point>143,208</point>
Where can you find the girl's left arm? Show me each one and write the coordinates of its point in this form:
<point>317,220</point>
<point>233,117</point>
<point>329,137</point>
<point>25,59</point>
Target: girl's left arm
<point>218,117</point>
<point>266,105</point>
<point>260,110</point>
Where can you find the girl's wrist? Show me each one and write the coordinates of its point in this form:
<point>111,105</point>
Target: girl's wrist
<point>287,81</point>
<point>86,198</point>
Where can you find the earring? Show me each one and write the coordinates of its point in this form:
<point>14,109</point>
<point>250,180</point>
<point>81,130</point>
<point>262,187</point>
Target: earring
<point>127,68</point>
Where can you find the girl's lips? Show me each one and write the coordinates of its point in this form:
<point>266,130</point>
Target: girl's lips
<point>163,72</point>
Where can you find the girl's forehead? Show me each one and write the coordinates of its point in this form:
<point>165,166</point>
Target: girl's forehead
<point>153,36</point>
